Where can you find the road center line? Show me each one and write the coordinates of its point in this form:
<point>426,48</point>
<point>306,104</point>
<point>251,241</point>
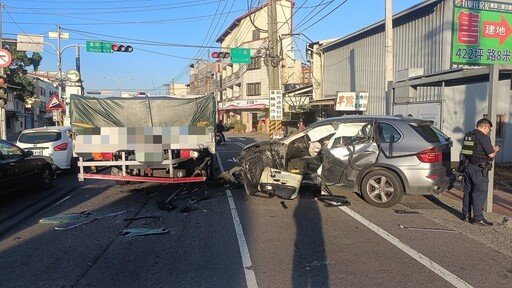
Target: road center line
<point>436,268</point>
<point>250,277</point>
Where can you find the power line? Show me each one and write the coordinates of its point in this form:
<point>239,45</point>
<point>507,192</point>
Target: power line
<point>323,17</point>
<point>114,10</point>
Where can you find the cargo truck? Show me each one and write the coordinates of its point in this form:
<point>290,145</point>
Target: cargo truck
<point>164,139</point>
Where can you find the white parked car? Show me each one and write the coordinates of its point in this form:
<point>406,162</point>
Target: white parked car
<point>53,141</point>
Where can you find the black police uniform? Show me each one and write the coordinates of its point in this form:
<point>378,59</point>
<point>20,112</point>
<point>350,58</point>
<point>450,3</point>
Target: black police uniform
<point>476,180</point>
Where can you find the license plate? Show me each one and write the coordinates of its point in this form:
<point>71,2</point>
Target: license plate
<point>38,152</point>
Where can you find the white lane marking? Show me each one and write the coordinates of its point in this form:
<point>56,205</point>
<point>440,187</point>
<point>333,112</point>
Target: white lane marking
<point>240,139</point>
<point>64,199</point>
<point>240,144</point>
<point>250,277</point>
<point>436,268</point>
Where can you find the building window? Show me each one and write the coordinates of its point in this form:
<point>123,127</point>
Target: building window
<point>255,35</point>
<point>253,89</point>
<point>498,125</point>
<point>255,63</point>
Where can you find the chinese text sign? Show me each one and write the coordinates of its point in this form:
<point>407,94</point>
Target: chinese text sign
<point>276,105</point>
<point>481,33</point>
<point>351,101</point>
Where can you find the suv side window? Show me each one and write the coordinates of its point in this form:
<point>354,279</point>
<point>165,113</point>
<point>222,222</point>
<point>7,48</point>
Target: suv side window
<point>350,133</point>
<point>386,131</point>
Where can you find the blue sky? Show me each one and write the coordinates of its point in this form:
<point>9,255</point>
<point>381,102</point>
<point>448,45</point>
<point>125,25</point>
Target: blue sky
<point>167,35</point>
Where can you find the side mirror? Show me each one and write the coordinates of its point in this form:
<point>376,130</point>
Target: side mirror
<point>28,153</point>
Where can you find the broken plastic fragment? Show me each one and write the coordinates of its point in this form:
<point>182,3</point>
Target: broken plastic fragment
<point>334,201</point>
<point>188,209</point>
<point>65,218</point>
<point>88,219</point>
<point>142,217</point>
<point>427,229</point>
<point>134,232</point>
<point>403,211</point>
<point>165,206</point>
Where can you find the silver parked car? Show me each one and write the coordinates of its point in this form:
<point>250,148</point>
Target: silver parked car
<point>382,157</point>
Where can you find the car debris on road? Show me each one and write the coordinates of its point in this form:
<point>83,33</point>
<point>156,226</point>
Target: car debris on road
<point>136,231</point>
<point>73,220</point>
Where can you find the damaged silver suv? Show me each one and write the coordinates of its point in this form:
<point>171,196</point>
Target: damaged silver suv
<point>381,157</point>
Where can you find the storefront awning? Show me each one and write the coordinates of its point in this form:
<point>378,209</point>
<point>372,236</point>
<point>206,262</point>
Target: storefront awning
<point>323,101</point>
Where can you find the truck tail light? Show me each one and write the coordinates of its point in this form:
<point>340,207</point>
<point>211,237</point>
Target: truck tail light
<point>185,153</point>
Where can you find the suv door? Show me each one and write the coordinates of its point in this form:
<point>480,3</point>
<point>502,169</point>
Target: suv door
<point>352,148</point>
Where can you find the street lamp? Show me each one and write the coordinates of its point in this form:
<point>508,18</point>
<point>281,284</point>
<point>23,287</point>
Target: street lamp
<point>59,51</point>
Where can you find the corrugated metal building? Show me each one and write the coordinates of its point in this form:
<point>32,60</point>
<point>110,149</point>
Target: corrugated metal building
<point>422,39</point>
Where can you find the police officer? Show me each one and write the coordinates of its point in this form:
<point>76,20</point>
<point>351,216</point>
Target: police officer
<point>476,178</point>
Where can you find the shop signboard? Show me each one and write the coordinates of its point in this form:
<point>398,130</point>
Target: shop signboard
<point>276,105</point>
<point>480,33</point>
<point>351,101</point>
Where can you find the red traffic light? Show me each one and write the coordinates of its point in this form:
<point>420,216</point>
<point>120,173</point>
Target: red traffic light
<point>220,54</point>
<point>3,91</point>
<point>122,48</point>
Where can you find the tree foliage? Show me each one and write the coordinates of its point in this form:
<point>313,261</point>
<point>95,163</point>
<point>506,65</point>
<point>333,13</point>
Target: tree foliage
<point>17,73</point>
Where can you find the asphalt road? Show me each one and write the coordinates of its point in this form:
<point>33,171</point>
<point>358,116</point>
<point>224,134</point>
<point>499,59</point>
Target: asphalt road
<point>218,237</point>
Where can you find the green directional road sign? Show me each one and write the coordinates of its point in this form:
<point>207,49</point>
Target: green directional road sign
<point>99,46</point>
<point>240,55</point>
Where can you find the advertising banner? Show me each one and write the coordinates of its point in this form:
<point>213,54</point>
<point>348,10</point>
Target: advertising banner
<point>481,31</point>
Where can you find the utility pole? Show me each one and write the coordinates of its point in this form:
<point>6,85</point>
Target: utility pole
<point>389,56</point>
<point>273,45</point>
<point>208,72</point>
<point>59,77</point>
<point>272,63</point>
<point>3,124</point>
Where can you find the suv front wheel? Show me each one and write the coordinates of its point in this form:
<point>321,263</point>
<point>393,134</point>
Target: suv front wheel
<point>381,188</point>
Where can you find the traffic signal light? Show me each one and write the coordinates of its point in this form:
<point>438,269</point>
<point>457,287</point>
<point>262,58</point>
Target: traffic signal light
<point>3,91</point>
<point>122,48</point>
<point>220,55</point>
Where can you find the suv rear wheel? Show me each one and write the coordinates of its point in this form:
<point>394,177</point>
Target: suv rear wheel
<point>381,188</point>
